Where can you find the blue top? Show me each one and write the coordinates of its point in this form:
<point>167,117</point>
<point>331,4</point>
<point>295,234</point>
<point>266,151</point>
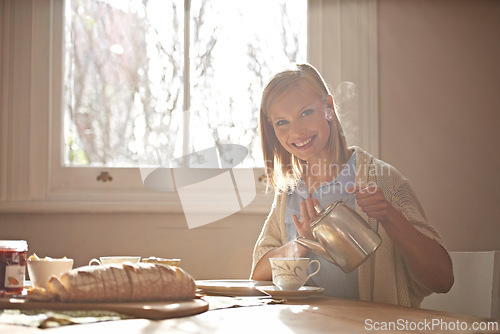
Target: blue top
<point>330,277</point>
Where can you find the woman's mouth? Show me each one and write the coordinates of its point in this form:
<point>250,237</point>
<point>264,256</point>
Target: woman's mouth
<point>304,143</point>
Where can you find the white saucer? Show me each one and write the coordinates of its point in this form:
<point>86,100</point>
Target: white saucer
<point>232,287</point>
<point>303,292</point>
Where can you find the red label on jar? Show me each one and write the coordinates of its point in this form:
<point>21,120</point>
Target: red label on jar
<point>14,277</point>
<point>12,270</point>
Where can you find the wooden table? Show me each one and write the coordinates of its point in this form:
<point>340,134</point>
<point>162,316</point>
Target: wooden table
<point>314,315</point>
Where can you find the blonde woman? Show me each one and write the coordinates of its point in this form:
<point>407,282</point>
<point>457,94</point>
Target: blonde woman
<point>308,162</point>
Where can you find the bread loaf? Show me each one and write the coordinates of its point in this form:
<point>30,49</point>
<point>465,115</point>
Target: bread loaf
<point>122,282</point>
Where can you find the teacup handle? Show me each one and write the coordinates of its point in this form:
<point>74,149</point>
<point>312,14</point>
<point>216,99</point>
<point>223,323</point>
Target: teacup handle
<point>96,261</point>
<point>314,273</point>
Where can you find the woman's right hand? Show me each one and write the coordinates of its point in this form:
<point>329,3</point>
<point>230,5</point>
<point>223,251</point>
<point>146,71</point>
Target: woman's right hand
<point>308,215</point>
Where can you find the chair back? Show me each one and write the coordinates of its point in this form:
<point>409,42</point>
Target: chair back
<point>476,288</point>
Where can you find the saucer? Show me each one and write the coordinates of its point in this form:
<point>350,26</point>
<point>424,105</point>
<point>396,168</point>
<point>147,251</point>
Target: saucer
<point>232,287</point>
<point>277,293</point>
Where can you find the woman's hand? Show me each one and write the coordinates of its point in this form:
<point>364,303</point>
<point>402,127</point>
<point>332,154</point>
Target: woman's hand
<point>308,215</point>
<point>372,201</point>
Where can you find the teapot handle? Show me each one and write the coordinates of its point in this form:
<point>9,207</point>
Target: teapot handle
<point>319,209</point>
<point>348,198</point>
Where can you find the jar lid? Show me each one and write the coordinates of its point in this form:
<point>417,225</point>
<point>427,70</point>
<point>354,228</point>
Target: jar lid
<point>14,244</point>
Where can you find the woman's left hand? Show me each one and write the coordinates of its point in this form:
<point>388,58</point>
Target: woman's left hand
<point>372,201</point>
<point>308,214</point>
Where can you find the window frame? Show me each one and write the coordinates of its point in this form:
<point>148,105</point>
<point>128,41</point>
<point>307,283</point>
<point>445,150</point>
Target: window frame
<point>31,176</point>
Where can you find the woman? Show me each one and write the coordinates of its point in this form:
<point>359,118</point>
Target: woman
<point>308,162</point>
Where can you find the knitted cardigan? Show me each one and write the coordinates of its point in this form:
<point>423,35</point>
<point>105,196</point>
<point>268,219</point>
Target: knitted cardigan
<point>384,276</point>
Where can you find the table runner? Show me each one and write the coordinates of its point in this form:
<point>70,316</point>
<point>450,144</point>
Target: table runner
<point>50,319</point>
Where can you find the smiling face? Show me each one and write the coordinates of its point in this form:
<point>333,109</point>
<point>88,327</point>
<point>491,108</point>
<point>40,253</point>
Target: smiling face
<point>299,122</point>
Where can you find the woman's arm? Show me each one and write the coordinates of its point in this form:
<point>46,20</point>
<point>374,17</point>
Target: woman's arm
<point>262,271</point>
<point>425,258</point>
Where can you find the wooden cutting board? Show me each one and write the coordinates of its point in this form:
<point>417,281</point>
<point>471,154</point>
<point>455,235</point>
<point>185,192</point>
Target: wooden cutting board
<point>150,310</point>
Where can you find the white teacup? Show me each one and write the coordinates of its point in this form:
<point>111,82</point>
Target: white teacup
<point>291,273</point>
<point>114,260</point>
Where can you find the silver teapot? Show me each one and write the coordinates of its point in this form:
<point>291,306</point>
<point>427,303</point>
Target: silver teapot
<point>343,236</point>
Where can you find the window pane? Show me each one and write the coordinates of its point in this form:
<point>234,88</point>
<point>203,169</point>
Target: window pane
<point>235,47</point>
<point>127,96</point>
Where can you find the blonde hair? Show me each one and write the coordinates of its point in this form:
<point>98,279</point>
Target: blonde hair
<point>284,169</point>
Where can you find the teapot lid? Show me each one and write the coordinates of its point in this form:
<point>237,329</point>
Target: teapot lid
<point>323,212</point>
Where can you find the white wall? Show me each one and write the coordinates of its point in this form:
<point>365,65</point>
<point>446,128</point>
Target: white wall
<point>219,250</point>
<point>440,111</point>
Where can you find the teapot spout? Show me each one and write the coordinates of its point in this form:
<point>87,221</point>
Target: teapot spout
<point>315,247</point>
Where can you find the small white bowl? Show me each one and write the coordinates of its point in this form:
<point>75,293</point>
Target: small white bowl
<point>40,271</point>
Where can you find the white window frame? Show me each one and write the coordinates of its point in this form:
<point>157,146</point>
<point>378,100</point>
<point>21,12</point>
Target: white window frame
<point>342,44</point>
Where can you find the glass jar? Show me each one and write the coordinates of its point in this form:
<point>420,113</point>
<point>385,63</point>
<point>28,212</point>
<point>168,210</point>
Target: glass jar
<point>12,265</point>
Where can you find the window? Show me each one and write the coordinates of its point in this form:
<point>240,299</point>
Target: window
<point>44,168</point>
<point>152,81</point>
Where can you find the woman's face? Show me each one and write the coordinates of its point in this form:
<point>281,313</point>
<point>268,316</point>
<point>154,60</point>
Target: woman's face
<point>300,124</point>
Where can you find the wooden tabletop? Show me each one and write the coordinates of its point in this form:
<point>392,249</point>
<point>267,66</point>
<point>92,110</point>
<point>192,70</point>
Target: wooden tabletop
<point>313,315</point>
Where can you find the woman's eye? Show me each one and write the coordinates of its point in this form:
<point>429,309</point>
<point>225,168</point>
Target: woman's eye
<point>281,122</point>
<point>307,112</point>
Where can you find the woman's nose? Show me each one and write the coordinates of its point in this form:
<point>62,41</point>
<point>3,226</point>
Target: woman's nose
<point>297,128</point>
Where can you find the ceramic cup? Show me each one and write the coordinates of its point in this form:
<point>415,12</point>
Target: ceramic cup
<point>42,270</point>
<point>291,273</point>
<point>114,260</point>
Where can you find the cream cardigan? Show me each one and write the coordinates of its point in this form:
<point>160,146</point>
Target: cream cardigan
<point>384,276</point>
